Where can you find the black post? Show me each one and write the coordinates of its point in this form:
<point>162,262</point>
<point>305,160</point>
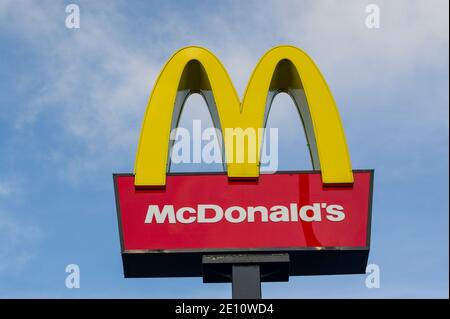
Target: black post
<point>246,282</point>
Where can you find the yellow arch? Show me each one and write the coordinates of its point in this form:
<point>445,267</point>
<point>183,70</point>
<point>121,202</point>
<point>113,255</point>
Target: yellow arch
<point>281,69</point>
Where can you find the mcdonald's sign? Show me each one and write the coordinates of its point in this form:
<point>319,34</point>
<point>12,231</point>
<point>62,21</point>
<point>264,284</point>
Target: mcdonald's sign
<point>320,219</point>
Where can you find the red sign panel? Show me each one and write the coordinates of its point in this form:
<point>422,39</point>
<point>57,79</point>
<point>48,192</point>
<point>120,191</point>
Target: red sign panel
<point>278,211</point>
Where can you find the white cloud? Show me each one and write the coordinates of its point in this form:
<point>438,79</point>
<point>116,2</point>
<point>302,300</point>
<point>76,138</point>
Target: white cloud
<point>99,77</point>
<point>10,186</point>
<point>5,189</point>
<point>381,65</point>
<point>19,241</point>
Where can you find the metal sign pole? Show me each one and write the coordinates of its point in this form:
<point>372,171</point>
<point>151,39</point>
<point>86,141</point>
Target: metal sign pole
<point>246,282</point>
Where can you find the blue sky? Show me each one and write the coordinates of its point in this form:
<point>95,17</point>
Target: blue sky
<point>72,102</point>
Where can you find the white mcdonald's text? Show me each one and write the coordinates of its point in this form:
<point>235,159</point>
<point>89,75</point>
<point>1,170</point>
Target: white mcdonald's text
<point>210,213</point>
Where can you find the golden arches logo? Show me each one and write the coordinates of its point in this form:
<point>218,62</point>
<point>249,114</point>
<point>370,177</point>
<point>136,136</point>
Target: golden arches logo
<point>282,69</point>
